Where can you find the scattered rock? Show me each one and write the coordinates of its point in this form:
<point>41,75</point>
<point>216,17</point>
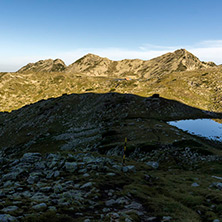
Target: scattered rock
<point>218,185</point>
<point>166,218</point>
<point>40,207</point>
<point>195,185</point>
<point>71,166</point>
<point>129,169</point>
<point>7,218</point>
<point>86,185</point>
<point>216,177</point>
<point>31,157</point>
<point>155,165</point>
<point>9,209</point>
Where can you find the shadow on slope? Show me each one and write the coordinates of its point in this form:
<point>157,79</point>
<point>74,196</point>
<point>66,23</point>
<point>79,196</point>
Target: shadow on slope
<point>97,122</point>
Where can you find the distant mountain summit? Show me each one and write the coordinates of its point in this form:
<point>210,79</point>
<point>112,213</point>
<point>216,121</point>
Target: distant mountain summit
<point>94,65</point>
<point>48,65</point>
<point>180,60</point>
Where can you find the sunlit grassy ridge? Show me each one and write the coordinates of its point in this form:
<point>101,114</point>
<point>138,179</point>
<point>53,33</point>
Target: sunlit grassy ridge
<point>199,88</point>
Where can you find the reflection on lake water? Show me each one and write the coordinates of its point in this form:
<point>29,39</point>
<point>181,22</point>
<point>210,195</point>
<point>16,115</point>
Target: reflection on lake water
<point>203,127</point>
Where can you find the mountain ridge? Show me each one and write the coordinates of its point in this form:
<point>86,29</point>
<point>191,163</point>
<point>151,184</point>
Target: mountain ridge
<point>196,85</point>
<point>94,65</point>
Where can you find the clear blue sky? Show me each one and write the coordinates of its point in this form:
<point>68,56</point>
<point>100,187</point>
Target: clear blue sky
<point>117,29</point>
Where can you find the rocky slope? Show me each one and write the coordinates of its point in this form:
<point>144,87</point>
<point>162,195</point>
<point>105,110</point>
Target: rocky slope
<point>75,121</point>
<point>93,65</point>
<point>61,160</point>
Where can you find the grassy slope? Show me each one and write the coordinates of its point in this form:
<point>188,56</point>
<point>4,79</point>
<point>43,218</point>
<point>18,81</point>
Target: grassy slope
<point>200,89</point>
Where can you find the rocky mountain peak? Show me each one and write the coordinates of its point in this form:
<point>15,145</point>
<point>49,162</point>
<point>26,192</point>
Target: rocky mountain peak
<point>187,61</point>
<point>90,63</point>
<point>48,65</point>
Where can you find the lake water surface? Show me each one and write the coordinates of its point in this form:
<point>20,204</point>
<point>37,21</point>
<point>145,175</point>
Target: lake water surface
<point>202,127</point>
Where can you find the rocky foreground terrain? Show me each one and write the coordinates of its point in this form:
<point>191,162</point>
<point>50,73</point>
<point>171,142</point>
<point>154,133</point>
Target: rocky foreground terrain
<point>61,160</point>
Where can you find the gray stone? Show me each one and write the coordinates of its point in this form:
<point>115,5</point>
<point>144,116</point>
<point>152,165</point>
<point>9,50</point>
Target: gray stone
<point>122,200</point>
<point>10,209</point>
<point>31,157</point>
<point>8,184</point>
<point>166,218</point>
<point>115,215</point>
<point>63,202</point>
<point>72,195</point>
<point>125,169</point>
<point>10,176</point>
<point>57,188</point>
<point>45,189</point>
<point>52,208</point>
<point>129,169</point>
<point>109,203</point>
<point>40,165</point>
<point>40,207</point>
<point>71,166</point>
<point>49,174</point>
<point>153,164</point>
<point>40,197</point>
<point>217,185</point>
<point>117,167</point>
<point>7,218</point>
<point>195,185</point>
<point>52,164</point>
<point>111,174</point>
<point>86,185</point>
<point>105,210</point>
<point>216,177</point>
<point>56,173</point>
<point>88,159</point>
<point>33,179</point>
<point>85,175</point>
<point>216,220</point>
<point>26,194</point>
<point>134,205</point>
<point>83,170</point>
